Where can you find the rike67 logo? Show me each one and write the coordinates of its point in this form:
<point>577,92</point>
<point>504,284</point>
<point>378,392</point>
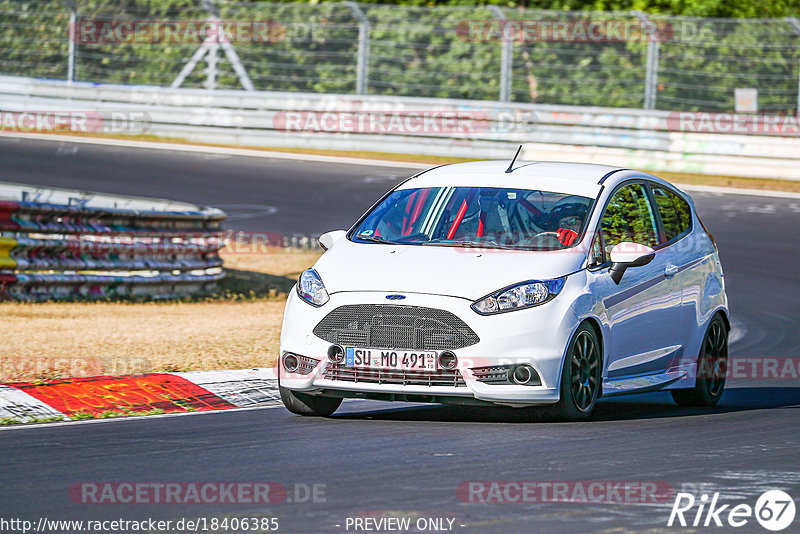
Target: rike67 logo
<point>774,510</point>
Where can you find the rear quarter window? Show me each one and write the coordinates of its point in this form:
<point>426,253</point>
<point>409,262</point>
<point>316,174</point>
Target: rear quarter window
<point>676,215</point>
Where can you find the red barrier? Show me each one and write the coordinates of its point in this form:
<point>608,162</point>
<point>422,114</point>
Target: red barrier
<point>96,395</point>
<point>7,209</point>
<point>5,281</point>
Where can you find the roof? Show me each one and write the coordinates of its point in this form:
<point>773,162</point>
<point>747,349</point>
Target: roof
<point>572,178</point>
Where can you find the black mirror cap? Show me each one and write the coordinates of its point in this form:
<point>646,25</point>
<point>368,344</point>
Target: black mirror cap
<point>642,260</point>
<point>617,270</point>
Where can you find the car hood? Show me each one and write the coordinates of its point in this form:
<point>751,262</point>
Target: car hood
<point>454,271</point>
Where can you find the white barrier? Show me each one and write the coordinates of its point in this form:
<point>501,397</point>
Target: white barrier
<point>626,137</point>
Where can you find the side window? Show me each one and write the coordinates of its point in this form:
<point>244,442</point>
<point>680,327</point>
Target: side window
<point>629,217</point>
<point>675,213</point>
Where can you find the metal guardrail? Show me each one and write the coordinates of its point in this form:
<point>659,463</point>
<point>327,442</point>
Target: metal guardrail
<point>57,244</point>
<point>626,137</point>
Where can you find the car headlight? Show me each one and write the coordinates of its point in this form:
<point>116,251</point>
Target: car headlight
<point>311,289</point>
<point>519,296</point>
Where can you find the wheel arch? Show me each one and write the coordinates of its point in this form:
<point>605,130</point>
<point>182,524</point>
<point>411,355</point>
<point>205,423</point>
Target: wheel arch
<point>722,312</point>
<point>594,323</point>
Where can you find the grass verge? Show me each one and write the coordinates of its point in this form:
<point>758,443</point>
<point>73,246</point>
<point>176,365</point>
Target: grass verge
<point>238,330</point>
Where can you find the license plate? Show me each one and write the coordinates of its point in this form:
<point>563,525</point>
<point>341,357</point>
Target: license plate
<point>403,360</point>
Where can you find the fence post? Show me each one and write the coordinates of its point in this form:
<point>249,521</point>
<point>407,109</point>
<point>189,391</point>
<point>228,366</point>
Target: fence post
<point>73,33</point>
<point>651,69</point>
<point>230,51</point>
<point>795,24</point>
<point>210,49</point>
<point>363,48</point>
<point>506,57</point>
<point>211,70</point>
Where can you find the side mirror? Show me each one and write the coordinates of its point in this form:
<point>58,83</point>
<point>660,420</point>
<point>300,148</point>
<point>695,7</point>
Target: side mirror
<point>627,254</point>
<point>328,239</point>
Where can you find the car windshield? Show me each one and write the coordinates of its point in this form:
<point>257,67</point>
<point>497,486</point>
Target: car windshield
<point>489,217</point>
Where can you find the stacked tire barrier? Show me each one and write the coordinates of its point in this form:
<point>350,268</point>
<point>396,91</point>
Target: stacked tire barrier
<point>60,244</point>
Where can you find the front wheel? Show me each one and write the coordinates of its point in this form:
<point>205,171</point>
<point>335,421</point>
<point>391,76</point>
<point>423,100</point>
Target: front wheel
<point>712,364</point>
<point>581,377</point>
<point>305,404</point>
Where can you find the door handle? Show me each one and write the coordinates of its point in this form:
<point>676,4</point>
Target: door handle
<point>670,270</point>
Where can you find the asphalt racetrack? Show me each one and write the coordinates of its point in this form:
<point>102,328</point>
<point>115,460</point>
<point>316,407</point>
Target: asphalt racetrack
<point>374,459</point>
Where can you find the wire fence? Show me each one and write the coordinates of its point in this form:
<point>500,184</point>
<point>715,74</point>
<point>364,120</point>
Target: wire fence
<point>626,60</point>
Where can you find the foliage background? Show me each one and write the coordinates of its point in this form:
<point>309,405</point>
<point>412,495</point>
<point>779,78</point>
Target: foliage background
<point>415,50</point>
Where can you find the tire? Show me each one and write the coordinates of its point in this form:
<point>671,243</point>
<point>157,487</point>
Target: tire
<point>581,378</point>
<point>304,404</point>
<point>712,364</point>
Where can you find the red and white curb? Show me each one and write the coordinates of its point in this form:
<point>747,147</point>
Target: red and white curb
<point>167,392</point>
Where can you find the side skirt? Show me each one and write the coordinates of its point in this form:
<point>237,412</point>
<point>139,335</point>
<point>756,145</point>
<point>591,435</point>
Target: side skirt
<point>641,384</point>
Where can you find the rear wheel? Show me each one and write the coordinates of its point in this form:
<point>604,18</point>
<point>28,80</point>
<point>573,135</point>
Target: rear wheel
<point>305,404</point>
<point>580,379</point>
<point>712,365</point>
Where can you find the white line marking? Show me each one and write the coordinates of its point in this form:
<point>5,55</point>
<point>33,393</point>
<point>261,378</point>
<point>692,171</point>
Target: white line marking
<point>204,149</point>
<point>131,418</point>
<point>736,191</point>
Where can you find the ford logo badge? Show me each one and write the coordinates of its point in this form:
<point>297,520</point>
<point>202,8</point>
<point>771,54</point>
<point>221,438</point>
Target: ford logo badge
<point>395,297</point>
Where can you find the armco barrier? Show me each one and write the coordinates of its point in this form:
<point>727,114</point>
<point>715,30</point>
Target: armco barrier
<point>58,244</point>
<point>625,137</point>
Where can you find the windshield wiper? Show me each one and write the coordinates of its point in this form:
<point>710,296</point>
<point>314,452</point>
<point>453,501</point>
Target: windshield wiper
<point>464,244</point>
<point>470,244</point>
<point>376,239</point>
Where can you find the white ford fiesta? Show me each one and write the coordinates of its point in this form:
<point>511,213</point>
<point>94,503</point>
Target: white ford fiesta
<point>514,285</point>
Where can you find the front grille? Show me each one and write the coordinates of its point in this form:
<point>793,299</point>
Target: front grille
<point>395,327</point>
<point>386,376</point>
<point>496,374</point>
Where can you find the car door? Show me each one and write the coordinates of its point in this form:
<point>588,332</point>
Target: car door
<point>675,216</point>
<point>643,310</point>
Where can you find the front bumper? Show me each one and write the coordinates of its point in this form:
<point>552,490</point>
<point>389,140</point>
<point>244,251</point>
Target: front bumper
<point>536,336</point>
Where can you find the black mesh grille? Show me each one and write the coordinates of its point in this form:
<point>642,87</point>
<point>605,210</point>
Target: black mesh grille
<point>395,327</point>
<point>388,376</point>
<point>497,374</point>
